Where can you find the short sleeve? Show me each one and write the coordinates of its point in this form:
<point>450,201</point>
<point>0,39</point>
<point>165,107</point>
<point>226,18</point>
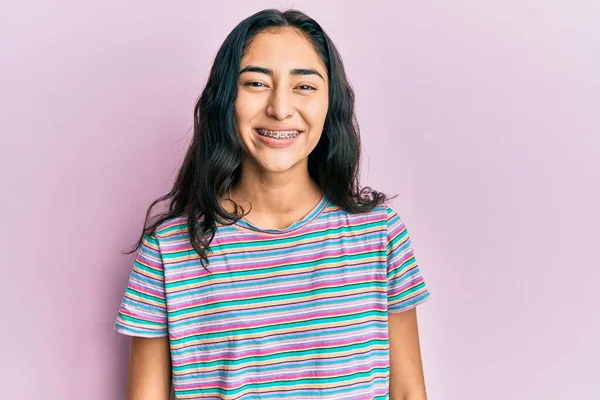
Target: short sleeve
<point>143,310</point>
<point>405,286</point>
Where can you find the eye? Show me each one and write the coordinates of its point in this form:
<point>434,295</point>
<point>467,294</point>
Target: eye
<point>255,84</point>
<point>306,87</point>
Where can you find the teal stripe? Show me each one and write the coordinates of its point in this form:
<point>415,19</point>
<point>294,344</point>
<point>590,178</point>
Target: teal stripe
<point>147,323</point>
<point>169,231</point>
<point>310,235</point>
<point>409,302</point>
<point>360,330</point>
<point>370,314</point>
<point>139,267</point>
<point>408,292</point>
<point>375,325</point>
<point>366,268</point>
<point>282,355</point>
<point>287,267</point>
<point>289,308</point>
<point>287,384</point>
<point>398,239</point>
<point>275,297</point>
<point>133,292</point>
<point>280,367</point>
<point>401,268</point>
<point>307,247</point>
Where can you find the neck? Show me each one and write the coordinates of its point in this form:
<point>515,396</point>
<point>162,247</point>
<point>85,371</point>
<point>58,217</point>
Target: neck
<point>276,193</point>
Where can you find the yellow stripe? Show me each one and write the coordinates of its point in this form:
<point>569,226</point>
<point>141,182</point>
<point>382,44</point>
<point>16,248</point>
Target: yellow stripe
<point>323,325</point>
<point>266,274</point>
<point>301,385</point>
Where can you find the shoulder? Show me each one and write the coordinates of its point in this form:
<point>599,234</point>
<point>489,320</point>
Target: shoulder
<point>171,229</point>
<point>177,229</point>
<point>392,214</point>
<point>381,213</point>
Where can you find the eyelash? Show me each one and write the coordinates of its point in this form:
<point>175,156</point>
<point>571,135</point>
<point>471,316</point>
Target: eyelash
<point>256,84</point>
<point>308,86</point>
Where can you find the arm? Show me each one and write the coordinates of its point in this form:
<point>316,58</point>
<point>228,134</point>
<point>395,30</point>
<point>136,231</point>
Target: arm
<point>143,316</point>
<point>406,289</point>
<point>406,369</point>
<point>149,369</point>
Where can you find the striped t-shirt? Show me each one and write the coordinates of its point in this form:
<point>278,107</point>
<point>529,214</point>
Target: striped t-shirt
<point>299,313</point>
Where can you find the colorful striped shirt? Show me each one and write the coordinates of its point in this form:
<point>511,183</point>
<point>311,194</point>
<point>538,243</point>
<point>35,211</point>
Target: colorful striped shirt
<point>298,313</point>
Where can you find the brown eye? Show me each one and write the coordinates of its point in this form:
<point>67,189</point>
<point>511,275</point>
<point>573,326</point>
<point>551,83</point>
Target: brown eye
<point>255,84</point>
<point>306,87</point>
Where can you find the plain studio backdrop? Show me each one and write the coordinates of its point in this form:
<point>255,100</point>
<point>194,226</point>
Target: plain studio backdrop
<point>483,116</point>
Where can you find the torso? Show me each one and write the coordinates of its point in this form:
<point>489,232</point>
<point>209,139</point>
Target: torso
<point>297,313</point>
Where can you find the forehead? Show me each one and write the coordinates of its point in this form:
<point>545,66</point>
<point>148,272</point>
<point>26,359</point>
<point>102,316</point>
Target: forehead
<point>282,49</point>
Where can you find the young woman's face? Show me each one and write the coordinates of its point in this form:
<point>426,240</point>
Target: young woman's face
<point>282,101</point>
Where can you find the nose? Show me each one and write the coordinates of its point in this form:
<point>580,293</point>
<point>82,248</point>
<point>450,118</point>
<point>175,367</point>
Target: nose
<point>280,105</point>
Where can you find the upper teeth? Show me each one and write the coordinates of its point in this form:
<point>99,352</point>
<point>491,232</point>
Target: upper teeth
<point>278,134</point>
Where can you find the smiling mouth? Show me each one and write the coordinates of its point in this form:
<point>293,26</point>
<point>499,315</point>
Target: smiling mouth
<point>289,134</point>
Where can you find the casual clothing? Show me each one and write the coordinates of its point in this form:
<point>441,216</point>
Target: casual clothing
<point>299,313</point>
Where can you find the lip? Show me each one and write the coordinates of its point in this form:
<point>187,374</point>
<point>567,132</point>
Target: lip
<point>279,128</point>
<point>277,143</point>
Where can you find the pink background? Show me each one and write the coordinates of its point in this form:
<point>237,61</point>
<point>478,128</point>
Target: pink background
<point>482,115</point>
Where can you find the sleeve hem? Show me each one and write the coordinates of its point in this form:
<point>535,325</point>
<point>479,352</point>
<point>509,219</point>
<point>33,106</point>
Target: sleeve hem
<point>124,330</point>
<point>395,309</point>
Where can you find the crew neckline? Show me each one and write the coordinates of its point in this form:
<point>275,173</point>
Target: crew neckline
<point>311,215</point>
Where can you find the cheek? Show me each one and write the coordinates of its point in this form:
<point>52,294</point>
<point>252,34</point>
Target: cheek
<point>316,112</point>
<point>245,109</point>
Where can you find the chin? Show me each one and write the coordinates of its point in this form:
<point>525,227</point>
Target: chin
<point>277,167</point>
<point>278,164</point>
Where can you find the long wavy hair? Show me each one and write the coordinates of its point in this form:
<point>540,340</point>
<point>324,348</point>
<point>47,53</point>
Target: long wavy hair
<point>212,164</point>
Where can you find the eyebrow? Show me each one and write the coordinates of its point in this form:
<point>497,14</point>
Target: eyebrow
<point>293,71</point>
